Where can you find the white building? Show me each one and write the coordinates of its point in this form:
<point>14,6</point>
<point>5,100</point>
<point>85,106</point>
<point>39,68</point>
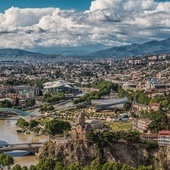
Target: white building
<point>164,137</point>
<point>59,86</point>
<point>143,124</point>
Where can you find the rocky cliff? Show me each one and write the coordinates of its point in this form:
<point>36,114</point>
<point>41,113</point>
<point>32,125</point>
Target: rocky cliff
<point>124,152</point>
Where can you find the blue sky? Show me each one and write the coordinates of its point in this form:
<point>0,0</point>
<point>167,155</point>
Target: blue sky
<point>49,25</point>
<point>63,4</point>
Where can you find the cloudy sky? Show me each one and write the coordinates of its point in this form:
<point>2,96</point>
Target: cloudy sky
<point>52,25</point>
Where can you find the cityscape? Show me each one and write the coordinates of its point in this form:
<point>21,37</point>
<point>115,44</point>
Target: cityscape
<point>85,85</point>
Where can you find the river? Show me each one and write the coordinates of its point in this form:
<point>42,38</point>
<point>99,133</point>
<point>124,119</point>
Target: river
<point>7,133</point>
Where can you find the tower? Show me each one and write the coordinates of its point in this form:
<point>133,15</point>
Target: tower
<point>81,118</point>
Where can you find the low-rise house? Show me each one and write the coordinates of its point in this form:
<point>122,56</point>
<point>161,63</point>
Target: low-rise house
<point>143,124</point>
<point>139,107</point>
<point>154,106</point>
<point>150,137</point>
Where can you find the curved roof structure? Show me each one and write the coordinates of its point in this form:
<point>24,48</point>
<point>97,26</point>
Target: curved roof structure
<point>105,104</point>
<point>56,84</point>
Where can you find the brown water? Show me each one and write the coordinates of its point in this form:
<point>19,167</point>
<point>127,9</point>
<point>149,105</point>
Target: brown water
<point>26,161</point>
<point>8,134</point>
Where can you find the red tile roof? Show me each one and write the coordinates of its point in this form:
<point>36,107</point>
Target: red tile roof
<point>164,132</point>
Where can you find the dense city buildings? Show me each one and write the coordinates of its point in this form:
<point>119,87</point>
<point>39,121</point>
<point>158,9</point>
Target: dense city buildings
<point>114,101</point>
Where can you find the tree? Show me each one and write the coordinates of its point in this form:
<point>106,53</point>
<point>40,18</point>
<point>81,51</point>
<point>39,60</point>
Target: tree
<point>22,122</point>
<point>24,168</point>
<point>43,108</point>
<point>33,123</point>
<point>97,167</point>
<point>31,102</point>
<point>59,166</point>
<point>17,167</point>
<point>49,164</point>
<point>45,164</point>
<point>55,126</point>
<point>32,167</point>
<point>105,166</point>
<point>73,166</point>
<point>126,167</point>
<point>127,106</point>
<point>50,108</point>
<point>6,160</point>
<point>6,103</point>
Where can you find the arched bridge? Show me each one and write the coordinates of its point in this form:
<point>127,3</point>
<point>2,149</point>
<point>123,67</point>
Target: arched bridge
<point>30,147</point>
<point>18,112</point>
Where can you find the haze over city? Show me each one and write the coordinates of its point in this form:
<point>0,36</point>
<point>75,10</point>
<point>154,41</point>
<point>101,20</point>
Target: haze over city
<point>50,26</point>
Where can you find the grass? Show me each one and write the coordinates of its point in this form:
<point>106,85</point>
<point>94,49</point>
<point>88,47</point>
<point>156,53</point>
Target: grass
<point>117,126</point>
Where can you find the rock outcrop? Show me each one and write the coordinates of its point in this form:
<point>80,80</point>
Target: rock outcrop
<point>124,152</point>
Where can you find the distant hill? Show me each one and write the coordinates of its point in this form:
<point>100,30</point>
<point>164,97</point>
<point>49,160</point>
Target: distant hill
<point>74,53</point>
<point>152,47</point>
<point>16,52</point>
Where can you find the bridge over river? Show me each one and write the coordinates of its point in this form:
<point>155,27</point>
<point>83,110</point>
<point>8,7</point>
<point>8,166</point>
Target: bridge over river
<point>30,147</point>
<point>16,111</point>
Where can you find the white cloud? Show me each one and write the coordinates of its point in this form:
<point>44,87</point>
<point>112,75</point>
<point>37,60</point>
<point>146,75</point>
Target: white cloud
<point>107,23</point>
<point>23,17</point>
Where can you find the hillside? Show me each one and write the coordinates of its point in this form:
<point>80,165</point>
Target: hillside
<point>129,153</point>
<point>16,52</point>
<point>152,47</point>
<point>74,53</point>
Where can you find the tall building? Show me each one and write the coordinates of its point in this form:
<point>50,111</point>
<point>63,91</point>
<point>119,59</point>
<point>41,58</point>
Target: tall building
<point>164,137</point>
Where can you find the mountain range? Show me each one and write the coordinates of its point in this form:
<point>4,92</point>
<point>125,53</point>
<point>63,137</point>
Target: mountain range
<point>152,47</point>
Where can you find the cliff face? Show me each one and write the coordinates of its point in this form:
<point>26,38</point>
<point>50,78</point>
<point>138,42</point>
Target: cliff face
<point>123,152</point>
<point>161,158</point>
<point>127,153</point>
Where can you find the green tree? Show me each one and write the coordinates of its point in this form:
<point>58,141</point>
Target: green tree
<point>55,126</point>
<point>32,167</point>
<point>127,106</point>
<point>24,168</point>
<point>17,167</point>
<point>31,102</point>
<point>73,166</point>
<point>22,122</point>
<point>6,160</point>
<point>49,164</point>
<point>59,166</point>
<point>50,108</point>
<point>45,164</point>
<point>33,123</point>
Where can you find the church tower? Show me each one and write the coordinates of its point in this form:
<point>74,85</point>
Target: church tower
<point>81,118</point>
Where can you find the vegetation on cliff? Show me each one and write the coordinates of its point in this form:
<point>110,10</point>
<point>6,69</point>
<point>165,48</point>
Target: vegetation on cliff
<point>104,148</point>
